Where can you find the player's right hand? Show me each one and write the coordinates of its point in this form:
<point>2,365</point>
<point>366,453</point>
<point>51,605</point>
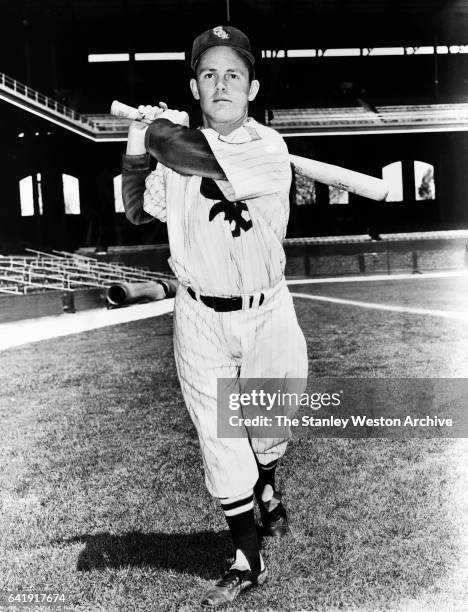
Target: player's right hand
<point>138,127</point>
<point>180,117</point>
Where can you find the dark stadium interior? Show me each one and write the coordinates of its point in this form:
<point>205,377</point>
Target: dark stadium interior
<point>47,46</point>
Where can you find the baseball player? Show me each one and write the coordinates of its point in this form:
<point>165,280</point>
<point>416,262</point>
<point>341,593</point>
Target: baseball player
<point>223,191</point>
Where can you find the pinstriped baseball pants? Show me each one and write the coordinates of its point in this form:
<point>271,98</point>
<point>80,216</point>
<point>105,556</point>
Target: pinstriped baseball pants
<point>262,342</point>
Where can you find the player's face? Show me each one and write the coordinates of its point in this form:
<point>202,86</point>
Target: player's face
<point>223,88</point>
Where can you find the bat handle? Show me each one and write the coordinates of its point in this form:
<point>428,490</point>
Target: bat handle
<point>118,109</point>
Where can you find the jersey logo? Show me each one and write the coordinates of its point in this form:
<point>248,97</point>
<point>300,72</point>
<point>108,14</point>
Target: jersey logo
<point>233,215</point>
<point>220,32</point>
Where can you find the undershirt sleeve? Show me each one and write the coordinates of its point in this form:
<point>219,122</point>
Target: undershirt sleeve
<point>182,149</point>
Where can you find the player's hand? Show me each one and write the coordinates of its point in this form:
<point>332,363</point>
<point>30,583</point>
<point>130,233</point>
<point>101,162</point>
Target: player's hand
<point>138,127</point>
<point>150,113</point>
<point>175,116</point>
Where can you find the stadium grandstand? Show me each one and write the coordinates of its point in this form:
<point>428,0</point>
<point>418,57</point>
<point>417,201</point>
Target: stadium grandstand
<point>370,86</point>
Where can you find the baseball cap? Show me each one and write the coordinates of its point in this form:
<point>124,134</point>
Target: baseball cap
<point>221,35</point>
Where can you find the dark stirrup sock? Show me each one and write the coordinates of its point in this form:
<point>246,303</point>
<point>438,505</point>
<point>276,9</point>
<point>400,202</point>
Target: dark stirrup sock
<point>266,476</point>
<point>240,518</point>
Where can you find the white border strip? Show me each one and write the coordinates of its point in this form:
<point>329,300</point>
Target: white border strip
<point>378,277</point>
<point>444,314</point>
<point>44,328</point>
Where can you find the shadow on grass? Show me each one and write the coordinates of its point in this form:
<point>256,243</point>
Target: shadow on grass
<point>202,554</point>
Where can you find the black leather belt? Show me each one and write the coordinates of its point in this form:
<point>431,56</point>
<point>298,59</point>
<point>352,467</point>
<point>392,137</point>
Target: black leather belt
<point>223,304</point>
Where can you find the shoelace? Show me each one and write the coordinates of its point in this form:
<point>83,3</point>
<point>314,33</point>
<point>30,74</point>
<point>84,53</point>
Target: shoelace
<point>277,513</point>
<point>231,577</point>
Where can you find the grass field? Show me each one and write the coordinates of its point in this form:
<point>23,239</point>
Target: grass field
<point>103,494</point>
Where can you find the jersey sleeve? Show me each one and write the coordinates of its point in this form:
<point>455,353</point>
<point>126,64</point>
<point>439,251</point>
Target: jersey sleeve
<point>154,198</point>
<point>256,167</point>
<point>181,149</point>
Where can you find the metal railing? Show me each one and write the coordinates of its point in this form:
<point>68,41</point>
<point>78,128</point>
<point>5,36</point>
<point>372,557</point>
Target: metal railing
<point>94,124</point>
<point>39,99</point>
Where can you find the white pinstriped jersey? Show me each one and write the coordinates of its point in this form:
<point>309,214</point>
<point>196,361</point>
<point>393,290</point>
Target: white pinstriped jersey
<point>231,245</point>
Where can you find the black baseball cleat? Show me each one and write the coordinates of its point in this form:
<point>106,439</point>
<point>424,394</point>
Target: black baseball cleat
<point>275,521</point>
<point>231,584</point>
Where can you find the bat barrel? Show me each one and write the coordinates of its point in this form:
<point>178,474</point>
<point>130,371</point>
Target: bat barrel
<point>342,178</point>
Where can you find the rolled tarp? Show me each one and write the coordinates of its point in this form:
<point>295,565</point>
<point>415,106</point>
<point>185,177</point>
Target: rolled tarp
<point>123,293</point>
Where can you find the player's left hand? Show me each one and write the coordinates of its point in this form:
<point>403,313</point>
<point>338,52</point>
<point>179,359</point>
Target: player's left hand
<point>149,113</point>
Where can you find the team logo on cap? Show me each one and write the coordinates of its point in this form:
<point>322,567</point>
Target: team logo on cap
<point>220,32</point>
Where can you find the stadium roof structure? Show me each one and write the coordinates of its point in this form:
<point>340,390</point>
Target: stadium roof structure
<point>290,122</point>
<point>171,24</point>
<point>47,44</point>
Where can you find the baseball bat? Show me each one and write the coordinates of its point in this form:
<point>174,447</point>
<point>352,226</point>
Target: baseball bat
<point>342,178</point>
<point>118,109</point>
<point>336,176</point>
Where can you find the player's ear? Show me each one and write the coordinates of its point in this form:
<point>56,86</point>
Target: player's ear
<point>194,88</point>
<point>253,91</point>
